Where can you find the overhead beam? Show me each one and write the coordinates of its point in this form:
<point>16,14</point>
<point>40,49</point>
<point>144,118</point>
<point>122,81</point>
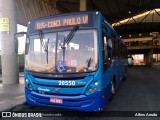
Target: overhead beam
<point>143,47</point>
<point>156,12</point>
<point>62,8</point>
<point>83,5</point>
<point>69,3</point>
<point>117,3</point>
<point>94,5</point>
<point>146,16</point>
<point>73,4</point>
<point>107,6</point>
<point>137,39</point>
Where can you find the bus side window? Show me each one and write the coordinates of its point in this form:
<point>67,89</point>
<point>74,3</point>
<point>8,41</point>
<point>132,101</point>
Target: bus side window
<point>116,49</point>
<point>122,50</point>
<point>113,48</point>
<point>119,49</point>
<point>109,48</point>
<point>105,54</point>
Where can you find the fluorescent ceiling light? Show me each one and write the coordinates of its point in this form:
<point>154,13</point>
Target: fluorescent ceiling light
<point>135,17</point>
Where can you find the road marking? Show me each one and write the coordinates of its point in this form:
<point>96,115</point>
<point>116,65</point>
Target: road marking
<point>1,85</point>
<point>21,96</point>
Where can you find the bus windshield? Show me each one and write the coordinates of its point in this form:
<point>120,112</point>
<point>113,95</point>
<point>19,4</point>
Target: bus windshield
<point>79,55</point>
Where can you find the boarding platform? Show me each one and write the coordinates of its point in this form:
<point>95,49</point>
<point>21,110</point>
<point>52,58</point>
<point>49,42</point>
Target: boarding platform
<point>11,95</point>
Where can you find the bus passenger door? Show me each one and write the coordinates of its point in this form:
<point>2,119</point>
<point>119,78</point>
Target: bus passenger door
<point>108,70</point>
<point>106,59</point>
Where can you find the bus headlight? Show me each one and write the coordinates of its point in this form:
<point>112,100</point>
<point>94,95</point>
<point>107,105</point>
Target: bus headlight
<point>96,83</point>
<point>28,84</point>
<point>92,88</point>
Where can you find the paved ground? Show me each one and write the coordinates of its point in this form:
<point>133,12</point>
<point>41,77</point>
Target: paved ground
<point>140,92</point>
<point>11,95</point>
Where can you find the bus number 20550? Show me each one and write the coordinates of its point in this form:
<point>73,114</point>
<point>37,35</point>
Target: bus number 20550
<point>66,83</point>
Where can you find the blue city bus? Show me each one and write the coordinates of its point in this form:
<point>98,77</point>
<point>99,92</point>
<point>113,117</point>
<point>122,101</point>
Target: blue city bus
<point>73,61</point>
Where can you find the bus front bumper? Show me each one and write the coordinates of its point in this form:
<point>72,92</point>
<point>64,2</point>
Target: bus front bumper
<point>80,102</point>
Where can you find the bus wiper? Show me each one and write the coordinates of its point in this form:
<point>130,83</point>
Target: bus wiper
<point>89,61</point>
<point>68,39</point>
<point>44,44</point>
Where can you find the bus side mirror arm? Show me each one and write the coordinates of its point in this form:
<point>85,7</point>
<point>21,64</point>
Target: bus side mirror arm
<point>19,34</point>
<point>16,36</point>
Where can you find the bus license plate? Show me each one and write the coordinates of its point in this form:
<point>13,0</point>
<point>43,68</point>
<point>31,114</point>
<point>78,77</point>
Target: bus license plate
<point>56,100</point>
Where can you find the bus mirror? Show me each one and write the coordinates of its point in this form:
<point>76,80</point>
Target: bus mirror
<point>20,34</point>
<point>16,40</point>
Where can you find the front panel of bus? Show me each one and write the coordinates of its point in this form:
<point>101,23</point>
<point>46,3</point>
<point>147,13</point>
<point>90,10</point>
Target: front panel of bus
<point>63,62</point>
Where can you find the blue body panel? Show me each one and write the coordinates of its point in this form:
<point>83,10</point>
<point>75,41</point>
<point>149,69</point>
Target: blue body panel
<point>92,102</point>
<point>78,97</point>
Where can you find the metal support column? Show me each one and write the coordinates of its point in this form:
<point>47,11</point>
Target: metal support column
<point>9,56</point>
<point>151,57</point>
<point>83,5</point>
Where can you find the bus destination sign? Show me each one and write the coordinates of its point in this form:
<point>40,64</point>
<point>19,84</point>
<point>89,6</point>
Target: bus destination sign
<point>61,21</point>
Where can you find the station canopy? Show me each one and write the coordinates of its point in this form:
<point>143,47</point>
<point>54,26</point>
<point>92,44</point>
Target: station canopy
<point>117,10</point>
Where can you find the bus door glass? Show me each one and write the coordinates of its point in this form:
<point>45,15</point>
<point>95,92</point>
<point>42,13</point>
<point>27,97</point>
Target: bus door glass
<point>109,48</point>
<point>105,51</point>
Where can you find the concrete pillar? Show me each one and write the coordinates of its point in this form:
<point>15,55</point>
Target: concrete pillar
<point>9,57</point>
<point>83,5</point>
<point>151,57</point>
<point>145,59</point>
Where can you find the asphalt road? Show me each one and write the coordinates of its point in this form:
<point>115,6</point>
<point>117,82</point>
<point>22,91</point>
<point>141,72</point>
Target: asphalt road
<point>140,92</point>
